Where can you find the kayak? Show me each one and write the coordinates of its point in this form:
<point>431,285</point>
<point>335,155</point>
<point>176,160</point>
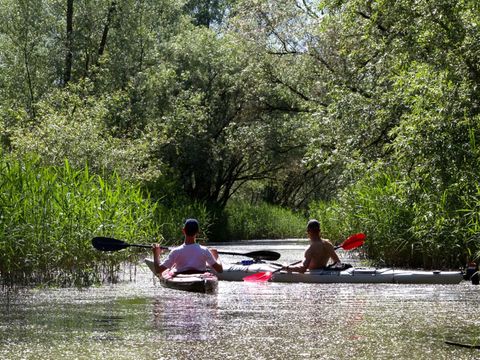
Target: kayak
<point>236,272</point>
<point>205,282</point>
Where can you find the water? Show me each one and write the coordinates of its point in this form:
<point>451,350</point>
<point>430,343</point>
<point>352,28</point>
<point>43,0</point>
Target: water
<point>141,320</point>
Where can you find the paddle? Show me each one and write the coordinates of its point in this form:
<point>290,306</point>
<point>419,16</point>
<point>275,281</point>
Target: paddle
<point>352,242</point>
<point>265,276</point>
<point>259,254</point>
<point>110,244</point>
<point>469,346</point>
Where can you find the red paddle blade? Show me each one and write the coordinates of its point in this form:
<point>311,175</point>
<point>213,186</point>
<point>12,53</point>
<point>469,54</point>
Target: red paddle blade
<point>353,241</point>
<point>259,277</point>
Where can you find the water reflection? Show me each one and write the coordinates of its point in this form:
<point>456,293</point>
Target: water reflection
<point>107,327</point>
<point>142,320</point>
<point>185,316</point>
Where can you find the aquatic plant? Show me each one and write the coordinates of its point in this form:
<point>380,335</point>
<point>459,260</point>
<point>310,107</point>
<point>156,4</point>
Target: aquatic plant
<point>406,225</point>
<point>49,215</point>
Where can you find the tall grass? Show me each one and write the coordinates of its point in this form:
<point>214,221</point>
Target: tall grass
<point>376,208</point>
<point>471,214</point>
<point>406,225</point>
<point>247,221</point>
<point>49,215</point>
<point>172,216</point>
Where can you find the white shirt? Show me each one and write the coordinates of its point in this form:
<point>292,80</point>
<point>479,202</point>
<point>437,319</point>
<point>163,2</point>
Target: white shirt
<point>189,257</point>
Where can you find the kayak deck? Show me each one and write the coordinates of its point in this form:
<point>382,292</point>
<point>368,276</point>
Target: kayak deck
<point>236,272</point>
<point>198,282</point>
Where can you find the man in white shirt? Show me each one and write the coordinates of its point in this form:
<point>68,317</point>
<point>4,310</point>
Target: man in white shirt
<point>189,257</point>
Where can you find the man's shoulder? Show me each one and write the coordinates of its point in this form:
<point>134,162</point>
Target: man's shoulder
<point>176,248</point>
<point>322,244</point>
<point>194,247</point>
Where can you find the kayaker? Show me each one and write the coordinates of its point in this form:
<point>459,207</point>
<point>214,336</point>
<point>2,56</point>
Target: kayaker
<point>319,253</point>
<point>189,257</point>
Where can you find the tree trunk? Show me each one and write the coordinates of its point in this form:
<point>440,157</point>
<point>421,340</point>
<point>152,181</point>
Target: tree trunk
<point>103,42</point>
<point>67,75</point>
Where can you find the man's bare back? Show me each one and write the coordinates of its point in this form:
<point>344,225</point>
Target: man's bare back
<point>319,253</point>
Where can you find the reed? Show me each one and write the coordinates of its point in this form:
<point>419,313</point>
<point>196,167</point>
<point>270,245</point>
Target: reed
<point>406,225</point>
<point>247,221</point>
<point>471,214</point>
<point>171,217</point>
<point>49,215</point>
<point>377,208</point>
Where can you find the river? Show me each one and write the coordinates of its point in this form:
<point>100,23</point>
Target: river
<point>141,320</point>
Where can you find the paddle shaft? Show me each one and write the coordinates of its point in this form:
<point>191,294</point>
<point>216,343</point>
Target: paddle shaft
<point>462,345</point>
<point>286,267</point>
<point>220,252</point>
<point>265,276</point>
<point>111,244</point>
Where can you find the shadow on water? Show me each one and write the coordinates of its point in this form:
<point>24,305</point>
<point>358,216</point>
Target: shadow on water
<point>141,320</point>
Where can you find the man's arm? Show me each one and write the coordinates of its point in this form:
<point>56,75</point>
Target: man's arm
<point>156,259</point>
<point>217,266</point>
<point>302,268</point>
<point>333,253</point>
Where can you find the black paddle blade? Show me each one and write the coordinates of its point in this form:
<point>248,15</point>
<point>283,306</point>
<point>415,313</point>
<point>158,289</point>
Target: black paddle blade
<point>108,244</point>
<point>258,255</point>
<point>264,255</point>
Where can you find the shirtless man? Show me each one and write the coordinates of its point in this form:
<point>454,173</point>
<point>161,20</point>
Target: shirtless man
<point>318,253</point>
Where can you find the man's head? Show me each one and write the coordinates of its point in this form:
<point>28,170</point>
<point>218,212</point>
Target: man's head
<point>313,226</point>
<point>191,227</point>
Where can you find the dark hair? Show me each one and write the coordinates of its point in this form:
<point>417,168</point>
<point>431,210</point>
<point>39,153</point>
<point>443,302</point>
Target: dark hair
<point>313,225</point>
<point>191,227</point>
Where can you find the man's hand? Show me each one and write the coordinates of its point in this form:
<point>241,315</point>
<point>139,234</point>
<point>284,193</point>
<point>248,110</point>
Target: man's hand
<point>157,250</point>
<point>214,253</point>
<point>290,269</point>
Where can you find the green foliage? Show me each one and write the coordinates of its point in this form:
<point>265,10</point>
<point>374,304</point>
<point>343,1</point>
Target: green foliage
<point>394,90</point>
<point>214,139</point>
<point>25,72</point>
<point>50,214</point>
<point>368,108</point>
<point>261,221</point>
<point>207,12</point>
<point>172,215</point>
<point>405,225</point>
<point>72,124</point>
<point>471,217</point>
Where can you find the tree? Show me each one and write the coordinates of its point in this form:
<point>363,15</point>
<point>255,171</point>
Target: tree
<point>217,138</point>
<point>208,12</point>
